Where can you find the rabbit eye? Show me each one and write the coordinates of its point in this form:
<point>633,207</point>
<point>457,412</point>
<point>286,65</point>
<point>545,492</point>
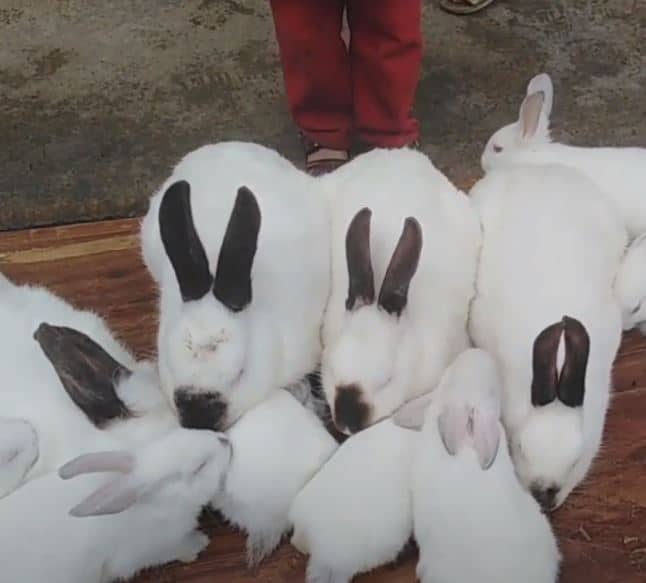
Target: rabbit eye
<point>497,149</point>
<point>636,308</point>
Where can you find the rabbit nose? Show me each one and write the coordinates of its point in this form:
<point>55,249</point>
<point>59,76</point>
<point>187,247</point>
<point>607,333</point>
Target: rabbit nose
<point>351,413</point>
<point>200,410</point>
<point>546,497</point>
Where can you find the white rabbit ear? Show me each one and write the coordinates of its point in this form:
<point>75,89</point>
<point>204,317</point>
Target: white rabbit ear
<point>108,461</point>
<point>411,414</point>
<point>111,498</point>
<point>543,82</point>
<point>530,114</point>
<point>485,432</point>
<point>452,425</point>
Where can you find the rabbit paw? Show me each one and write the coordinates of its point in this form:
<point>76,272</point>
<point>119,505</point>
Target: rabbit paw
<point>192,545</point>
<point>261,545</point>
<point>18,453</point>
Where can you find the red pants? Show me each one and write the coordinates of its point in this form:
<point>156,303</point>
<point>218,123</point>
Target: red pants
<point>368,90</point>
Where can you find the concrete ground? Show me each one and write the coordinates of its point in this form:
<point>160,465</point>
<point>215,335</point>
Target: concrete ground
<point>99,99</point>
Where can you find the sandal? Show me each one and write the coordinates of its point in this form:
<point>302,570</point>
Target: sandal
<point>464,6</point>
<point>321,160</point>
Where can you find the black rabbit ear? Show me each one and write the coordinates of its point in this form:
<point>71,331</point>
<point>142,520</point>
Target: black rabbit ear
<point>361,281</point>
<point>232,285</point>
<point>545,380</point>
<point>182,243</point>
<point>393,296</point>
<point>571,387</point>
<point>88,373</point>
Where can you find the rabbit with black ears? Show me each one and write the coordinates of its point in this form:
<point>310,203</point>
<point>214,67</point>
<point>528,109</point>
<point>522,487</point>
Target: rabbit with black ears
<point>236,240</point>
<point>72,383</point>
<point>545,309</point>
<point>619,172</point>
<point>473,521</point>
<point>98,528</point>
<point>404,251</point>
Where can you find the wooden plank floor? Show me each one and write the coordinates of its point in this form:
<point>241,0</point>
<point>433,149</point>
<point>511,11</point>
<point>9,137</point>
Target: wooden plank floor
<point>601,528</point>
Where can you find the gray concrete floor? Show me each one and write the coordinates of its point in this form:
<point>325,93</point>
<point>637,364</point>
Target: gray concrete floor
<point>99,99</point>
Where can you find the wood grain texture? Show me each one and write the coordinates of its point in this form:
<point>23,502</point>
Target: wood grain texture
<point>601,528</point>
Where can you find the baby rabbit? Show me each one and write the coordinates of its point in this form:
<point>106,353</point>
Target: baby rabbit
<point>72,381</point>
<point>355,514</point>
<point>473,520</point>
<point>619,172</point>
<point>144,515</point>
<point>279,445</point>
<point>237,241</point>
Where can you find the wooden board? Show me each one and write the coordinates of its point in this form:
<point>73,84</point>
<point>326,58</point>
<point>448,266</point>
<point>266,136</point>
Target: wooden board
<point>601,528</point>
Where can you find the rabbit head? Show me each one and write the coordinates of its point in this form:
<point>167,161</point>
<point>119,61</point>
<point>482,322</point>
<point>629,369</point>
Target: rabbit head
<point>185,464</point>
<point>549,442</point>
<point>630,284</point>
<point>532,127</point>
<point>366,370</point>
<point>204,349</point>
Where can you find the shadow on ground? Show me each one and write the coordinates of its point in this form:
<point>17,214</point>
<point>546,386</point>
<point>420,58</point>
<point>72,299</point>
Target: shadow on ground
<point>97,105</point>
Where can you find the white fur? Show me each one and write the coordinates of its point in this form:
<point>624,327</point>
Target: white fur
<point>355,514</point>
<point>32,391</point>
<point>473,524</point>
<point>391,359</point>
<point>278,446</point>
<point>619,172</point>
<point>276,340</point>
<point>40,542</point>
<point>630,285</point>
<point>551,247</point>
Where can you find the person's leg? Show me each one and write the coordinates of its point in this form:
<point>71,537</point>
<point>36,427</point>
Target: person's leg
<point>316,69</point>
<point>386,56</point>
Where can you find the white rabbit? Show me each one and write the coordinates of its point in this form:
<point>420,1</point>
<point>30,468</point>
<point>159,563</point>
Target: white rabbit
<point>545,310</point>
<point>96,529</point>
<point>355,514</point>
<point>473,521</point>
<point>619,172</point>
<point>237,241</point>
<point>73,382</point>
<point>278,446</point>
<point>397,223</point>
<point>630,285</point>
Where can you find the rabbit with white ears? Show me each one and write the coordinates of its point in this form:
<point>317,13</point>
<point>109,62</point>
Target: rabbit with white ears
<point>619,172</point>
<point>237,241</point>
<point>467,501</point>
<point>278,446</point>
<point>145,515</point>
<point>545,310</point>
<point>73,382</point>
<point>404,251</point>
<point>355,514</point>
<point>630,285</point>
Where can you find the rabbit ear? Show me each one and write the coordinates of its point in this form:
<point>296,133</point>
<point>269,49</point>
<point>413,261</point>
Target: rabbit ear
<point>108,461</point>
<point>88,373</point>
<point>452,425</point>
<point>543,82</point>
<point>361,281</point>
<point>111,498</point>
<point>393,296</point>
<point>571,387</point>
<point>530,114</point>
<point>182,243</point>
<point>545,377</point>
<point>232,284</point>
<point>485,432</point>
<point>411,414</point>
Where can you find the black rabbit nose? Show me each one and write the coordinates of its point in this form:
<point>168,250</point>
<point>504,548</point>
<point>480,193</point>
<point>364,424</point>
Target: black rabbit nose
<point>546,497</point>
<point>199,410</point>
<point>351,413</point>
